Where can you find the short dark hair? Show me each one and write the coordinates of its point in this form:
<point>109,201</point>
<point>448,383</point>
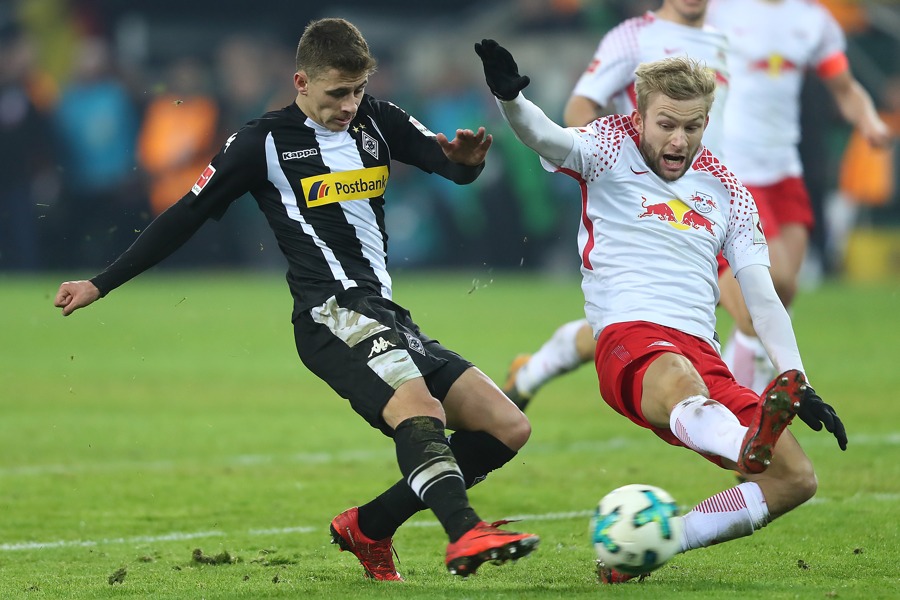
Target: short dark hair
<point>333,44</point>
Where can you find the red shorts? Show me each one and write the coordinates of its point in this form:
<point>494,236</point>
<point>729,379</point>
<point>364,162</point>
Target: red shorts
<point>625,350</point>
<point>784,202</point>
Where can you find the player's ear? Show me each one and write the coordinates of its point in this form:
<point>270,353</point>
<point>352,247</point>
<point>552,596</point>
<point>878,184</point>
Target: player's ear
<point>638,121</point>
<point>301,82</point>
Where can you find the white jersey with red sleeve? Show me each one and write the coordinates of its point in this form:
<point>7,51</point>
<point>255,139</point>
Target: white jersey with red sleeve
<point>609,79</point>
<point>648,246</point>
<point>771,46</point>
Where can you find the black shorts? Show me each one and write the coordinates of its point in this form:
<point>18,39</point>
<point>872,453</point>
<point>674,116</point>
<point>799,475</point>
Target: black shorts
<point>365,346</point>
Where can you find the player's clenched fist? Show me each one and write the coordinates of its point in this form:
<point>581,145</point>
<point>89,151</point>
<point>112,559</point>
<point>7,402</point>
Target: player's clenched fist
<point>73,295</point>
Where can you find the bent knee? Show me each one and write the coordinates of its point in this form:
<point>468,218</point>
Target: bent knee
<point>517,431</point>
<point>800,482</point>
<point>510,426</point>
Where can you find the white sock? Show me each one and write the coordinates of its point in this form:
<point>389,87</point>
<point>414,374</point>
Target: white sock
<point>707,426</point>
<point>558,355</point>
<point>728,515</point>
<point>748,361</point>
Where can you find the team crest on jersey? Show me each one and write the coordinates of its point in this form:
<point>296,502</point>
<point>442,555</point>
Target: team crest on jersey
<point>703,203</point>
<point>369,144</point>
<point>204,178</point>
<point>357,184</point>
<point>415,343</point>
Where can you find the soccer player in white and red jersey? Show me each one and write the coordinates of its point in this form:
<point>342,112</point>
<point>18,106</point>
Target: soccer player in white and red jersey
<point>772,44</point>
<point>657,209</point>
<point>677,28</point>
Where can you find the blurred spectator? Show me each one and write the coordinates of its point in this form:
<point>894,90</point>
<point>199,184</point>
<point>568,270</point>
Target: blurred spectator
<point>98,124</point>
<point>29,182</point>
<point>179,134</point>
<point>247,87</point>
<point>453,100</point>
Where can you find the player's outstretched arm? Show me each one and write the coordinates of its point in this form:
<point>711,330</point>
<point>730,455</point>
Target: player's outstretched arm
<point>531,126</point>
<point>73,295</point>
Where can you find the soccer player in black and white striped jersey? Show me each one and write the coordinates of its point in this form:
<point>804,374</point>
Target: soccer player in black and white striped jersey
<point>318,170</point>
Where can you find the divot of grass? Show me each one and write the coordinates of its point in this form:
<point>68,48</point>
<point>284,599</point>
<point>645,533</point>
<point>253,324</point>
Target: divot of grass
<point>118,576</point>
<point>222,558</point>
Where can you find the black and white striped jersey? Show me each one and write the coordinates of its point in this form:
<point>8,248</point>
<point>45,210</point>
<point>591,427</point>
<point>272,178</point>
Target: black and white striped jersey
<point>321,191</point>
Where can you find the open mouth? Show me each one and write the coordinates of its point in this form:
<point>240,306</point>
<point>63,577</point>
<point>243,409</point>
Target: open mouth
<point>672,162</point>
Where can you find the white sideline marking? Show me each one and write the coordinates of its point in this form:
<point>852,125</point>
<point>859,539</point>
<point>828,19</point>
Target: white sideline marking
<point>141,539</point>
<point>180,536</point>
<point>387,453</point>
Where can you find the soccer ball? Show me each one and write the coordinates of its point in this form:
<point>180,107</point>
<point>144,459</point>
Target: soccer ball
<point>635,530</point>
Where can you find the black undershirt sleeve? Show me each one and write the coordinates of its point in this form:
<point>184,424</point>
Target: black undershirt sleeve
<point>412,146</point>
<point>168,232</point>
<point>456,172</point>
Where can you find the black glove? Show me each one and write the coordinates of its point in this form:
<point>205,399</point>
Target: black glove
<point>815,413</point>
<point>500,70</point>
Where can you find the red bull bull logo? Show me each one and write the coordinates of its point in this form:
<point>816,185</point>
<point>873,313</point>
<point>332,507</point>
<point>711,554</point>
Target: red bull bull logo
<point>679,215</point>
<point>774,65</point>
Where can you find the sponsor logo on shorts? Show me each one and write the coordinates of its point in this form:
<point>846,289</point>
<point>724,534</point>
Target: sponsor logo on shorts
<point>379,346</point>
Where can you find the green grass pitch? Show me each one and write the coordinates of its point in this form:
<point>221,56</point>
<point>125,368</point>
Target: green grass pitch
<point>174,416</point>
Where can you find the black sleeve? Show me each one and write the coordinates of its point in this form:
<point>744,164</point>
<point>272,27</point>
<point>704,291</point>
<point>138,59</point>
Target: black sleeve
<point>412,143</point>
<point>232,172</point>
<point>166,234</point>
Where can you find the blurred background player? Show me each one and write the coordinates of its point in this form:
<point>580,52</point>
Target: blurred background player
<point>676,29</point>
<point>772,44</point>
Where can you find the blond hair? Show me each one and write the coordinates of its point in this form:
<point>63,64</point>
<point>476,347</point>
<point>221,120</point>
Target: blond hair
<point>678,77</point>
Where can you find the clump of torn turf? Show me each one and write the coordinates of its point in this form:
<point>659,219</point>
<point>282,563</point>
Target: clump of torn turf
<point>266,559</point>
<point>118,576</point>
<point>222,558</point>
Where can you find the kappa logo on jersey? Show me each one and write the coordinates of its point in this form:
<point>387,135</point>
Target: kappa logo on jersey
<point>677,214</point>
<point>415,343</point>
<point>370,145</point>
<point>379,346</point>
<point>299,154</point>
<point>344,185</point>
<point>204,178</point>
